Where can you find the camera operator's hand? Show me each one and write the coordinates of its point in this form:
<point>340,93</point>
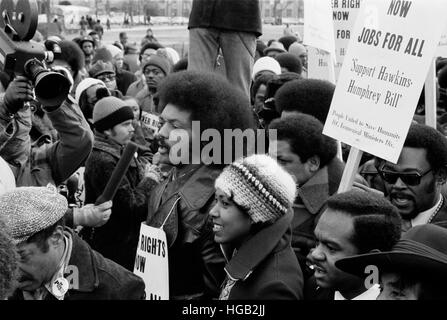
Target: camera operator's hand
<point>91,215</point>
<point>19,91</point>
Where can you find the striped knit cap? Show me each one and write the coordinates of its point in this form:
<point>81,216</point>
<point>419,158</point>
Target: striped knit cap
<point>28,210</point>
<point>259,184</point>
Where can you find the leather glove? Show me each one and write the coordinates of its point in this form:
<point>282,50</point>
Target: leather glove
<point>91,215</point>
<point>19,91</point>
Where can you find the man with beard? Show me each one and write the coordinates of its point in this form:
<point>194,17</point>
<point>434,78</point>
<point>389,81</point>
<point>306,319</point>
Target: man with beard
<point>355,222</point>
<point>118,238</point>
<point>155,69</point>
<point>414,184</point>
<point>181,203</point>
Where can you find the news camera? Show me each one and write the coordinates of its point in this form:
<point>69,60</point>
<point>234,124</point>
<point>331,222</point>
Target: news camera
<point>19,56</point>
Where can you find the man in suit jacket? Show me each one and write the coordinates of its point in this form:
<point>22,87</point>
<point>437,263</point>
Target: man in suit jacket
<point>414,184</point>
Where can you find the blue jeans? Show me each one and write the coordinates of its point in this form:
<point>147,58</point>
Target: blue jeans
<point>238,49</point>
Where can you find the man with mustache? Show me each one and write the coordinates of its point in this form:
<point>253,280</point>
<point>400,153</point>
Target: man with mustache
<point>182,201</point>
<point>355,222</point>
<point>414,184</point>
<point>55,264</point>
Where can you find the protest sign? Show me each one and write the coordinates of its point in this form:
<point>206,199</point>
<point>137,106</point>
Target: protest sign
<point>391,48</point>
<point>344,15</point>
<point>318,26</point>
<point>151,262</point>
<point>442,45</point>
<point>320,65</point>
<point>150,120</point>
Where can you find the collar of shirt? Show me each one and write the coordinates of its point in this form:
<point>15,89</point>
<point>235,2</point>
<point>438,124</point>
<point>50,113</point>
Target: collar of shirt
<point>423,217</point>
<point>62,265</point>
<point>370,294</point>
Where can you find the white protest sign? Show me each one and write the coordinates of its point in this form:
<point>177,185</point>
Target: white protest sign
<point>318,26</point>
<point>442,46</point>
<point>344,16</point>
<point>150,120</point>
<point>151,262</point>
<point>391,48</point>
<point>319,65</point>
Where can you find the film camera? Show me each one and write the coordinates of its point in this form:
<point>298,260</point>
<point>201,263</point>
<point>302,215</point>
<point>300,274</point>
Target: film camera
<point>18,24</point>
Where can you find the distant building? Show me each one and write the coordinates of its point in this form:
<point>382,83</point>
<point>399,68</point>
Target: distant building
<point>282,9</point>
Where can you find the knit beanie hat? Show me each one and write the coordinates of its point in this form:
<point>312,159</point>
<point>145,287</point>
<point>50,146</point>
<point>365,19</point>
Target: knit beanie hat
<point>110,111</point>
<point>158,61</point>
<point>7,179</point>
<point>173,55</point>
<point>290,62</point>
<point>101,67</point>
<point>28,210</point>
<point>259,184</point>
<point>114,50</point>
<point>266,64</point>
<point>84,85</point>
<point>297,49</point>
<point>103,54</point>
<point>287,41</point>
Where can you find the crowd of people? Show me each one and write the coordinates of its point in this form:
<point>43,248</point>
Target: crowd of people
<point>255,224</point>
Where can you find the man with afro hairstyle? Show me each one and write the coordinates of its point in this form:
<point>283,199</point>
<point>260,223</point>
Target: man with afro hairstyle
<point>310,96</point>
<point>414,184</point>
<point>71,58</point>
<point>182,201</point>
<point>302,149</point>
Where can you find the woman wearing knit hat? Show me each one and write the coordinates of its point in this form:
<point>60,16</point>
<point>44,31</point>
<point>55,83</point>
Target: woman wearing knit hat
<point>251,220</point>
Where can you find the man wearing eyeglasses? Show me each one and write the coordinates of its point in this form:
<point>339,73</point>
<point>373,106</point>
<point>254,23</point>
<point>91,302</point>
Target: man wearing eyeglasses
<point>105,72</point>
<point>414,184</point>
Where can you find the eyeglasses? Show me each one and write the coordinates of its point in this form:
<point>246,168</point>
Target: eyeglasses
<point>409,178</point>
<point>106,77</point>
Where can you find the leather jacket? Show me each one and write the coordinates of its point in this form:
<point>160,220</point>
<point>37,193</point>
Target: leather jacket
<point>181,204</point>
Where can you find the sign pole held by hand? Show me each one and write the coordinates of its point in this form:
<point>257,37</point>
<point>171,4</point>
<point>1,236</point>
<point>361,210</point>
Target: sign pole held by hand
<point>118,173</point>
<point>347,180</point>
<point>430,97</point>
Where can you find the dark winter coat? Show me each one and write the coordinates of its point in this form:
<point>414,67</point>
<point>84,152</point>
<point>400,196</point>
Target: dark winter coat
<point>234,15</point>
<point>195,260</point>
<point>124,79</point>
<point>265,266</point>
<point>50,162</point>
<point>99,278</point>
<point>118,238</point>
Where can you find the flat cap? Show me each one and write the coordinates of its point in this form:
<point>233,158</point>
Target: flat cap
<point>28,210</point>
